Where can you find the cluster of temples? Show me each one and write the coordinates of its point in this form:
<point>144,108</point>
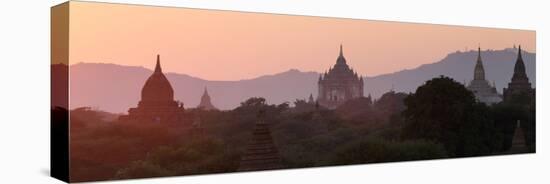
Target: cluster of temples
<point>518,88</point>
<point>487,93</point>
<point>336,86</point>
<point>157,105</point>
<point>157,102</point>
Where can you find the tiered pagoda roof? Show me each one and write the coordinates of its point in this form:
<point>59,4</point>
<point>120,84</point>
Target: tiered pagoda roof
<point>261,152</point>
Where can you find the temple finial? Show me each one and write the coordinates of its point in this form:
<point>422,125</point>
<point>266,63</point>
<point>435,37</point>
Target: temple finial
<point>205,91</point>
<point>341,50</point>
<point>478,53</point>
<point>157,67</point>
<point>341,59</point>
<point>519,52</point>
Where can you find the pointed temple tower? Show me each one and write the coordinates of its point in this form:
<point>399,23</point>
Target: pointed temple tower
<point>206,104</point>
<point>310,100</point>
<point>261,152</point>
<point>157,101</point>
<point>520,83</point>
<point>481,88</point>
<point>339,85</point>
<point>518,141</point>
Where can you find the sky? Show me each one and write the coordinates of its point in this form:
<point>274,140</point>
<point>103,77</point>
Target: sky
<point>229,45</point>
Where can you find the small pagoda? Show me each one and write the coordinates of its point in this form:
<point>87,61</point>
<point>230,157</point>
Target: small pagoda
<point>518,141</point>
<point>206,103</point>
<point>261,152</point>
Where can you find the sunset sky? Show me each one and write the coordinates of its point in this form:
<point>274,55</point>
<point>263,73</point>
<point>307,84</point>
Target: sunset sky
<point>227,45</point>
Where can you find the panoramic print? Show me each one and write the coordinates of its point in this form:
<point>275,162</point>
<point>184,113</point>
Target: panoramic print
<point>146,91</point>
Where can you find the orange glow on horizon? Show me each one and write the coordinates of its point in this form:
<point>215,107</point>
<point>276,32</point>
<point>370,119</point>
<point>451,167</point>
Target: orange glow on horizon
<point>228,45</point>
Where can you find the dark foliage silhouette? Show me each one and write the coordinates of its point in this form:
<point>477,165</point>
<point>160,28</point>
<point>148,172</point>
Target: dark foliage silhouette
<point>443,110</point>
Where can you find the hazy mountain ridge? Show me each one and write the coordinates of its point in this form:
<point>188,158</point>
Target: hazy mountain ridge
<point>90,83</point>
<point>498,65</point>
<point>116,88</point>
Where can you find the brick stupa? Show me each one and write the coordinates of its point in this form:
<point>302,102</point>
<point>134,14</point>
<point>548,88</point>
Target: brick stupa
<point>261,152</point>
<point>157,102</point>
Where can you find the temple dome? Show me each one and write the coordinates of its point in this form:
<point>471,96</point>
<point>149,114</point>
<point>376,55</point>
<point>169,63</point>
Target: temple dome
<point>157,103</point>
<point>157,88</point>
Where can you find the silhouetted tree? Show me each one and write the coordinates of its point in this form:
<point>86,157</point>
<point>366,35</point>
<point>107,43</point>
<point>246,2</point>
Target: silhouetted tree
<point>520,106</point>
<point>303,106</point>
<point>523,99</point>
<point>283,107</point>
<point>506,116</point>
<point>390,106</point>
<point>373,150</point>
<point>357,110</point>
<point>443,110</point>
<point>248,110</point>
<point>251,106</point>
<point>253,102</point>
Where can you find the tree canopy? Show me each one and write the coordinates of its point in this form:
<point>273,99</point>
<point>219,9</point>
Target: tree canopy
<point>443,110</point>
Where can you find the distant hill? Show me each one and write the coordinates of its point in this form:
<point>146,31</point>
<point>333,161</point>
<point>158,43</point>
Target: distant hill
<point>498,64</point>
<point>115,88</point>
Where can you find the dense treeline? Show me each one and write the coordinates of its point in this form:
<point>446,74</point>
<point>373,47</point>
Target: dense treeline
<point>440,120</point>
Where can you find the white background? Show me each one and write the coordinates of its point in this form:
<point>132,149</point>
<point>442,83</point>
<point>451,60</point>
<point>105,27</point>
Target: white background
<point>24,91</point>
